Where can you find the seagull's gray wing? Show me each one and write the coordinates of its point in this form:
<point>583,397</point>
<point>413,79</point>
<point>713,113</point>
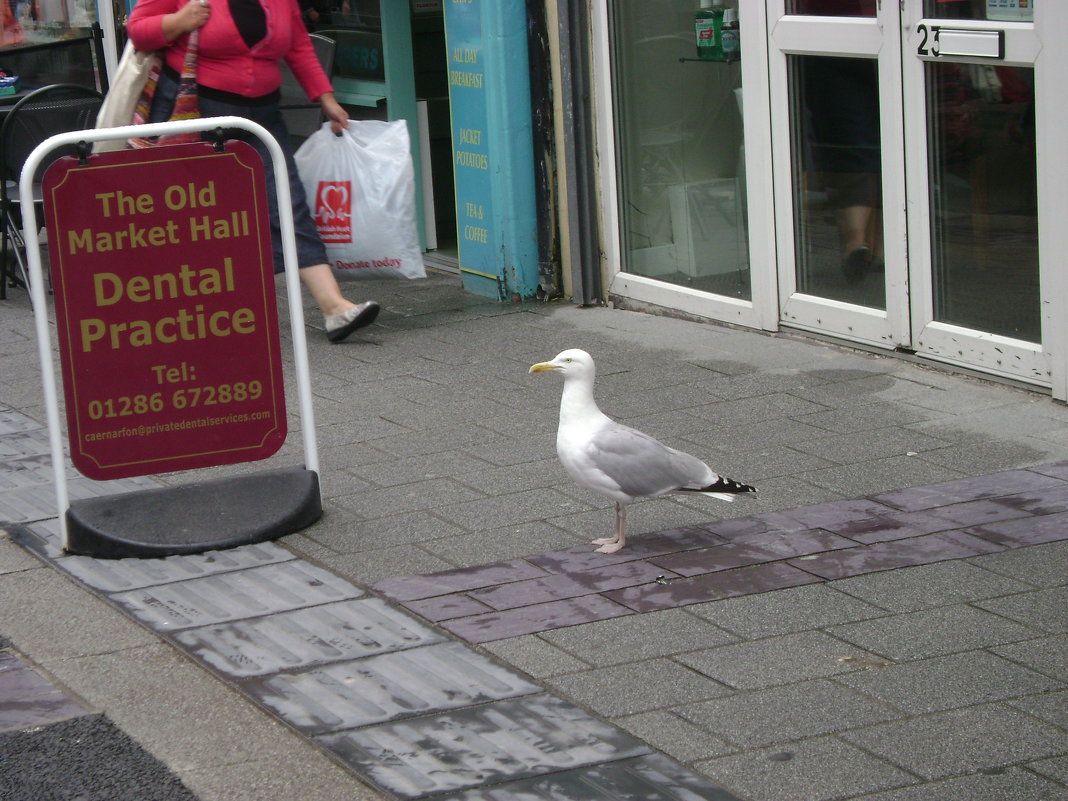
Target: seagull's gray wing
<point>641,465</point>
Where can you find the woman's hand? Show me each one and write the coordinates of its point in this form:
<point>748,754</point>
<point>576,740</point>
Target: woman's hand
<point>187,19</point>
<point>332,110</point>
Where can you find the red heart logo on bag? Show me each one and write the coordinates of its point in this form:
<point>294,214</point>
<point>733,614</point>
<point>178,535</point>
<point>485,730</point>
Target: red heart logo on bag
<point>333,211</point>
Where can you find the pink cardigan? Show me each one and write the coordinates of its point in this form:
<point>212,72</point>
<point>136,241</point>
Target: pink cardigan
<point>224,61</point>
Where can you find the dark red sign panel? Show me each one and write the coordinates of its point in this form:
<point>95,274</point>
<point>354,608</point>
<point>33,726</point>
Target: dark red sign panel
<point>165,309</point>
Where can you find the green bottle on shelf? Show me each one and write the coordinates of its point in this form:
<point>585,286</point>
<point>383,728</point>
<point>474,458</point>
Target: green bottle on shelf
<point>708,27</point>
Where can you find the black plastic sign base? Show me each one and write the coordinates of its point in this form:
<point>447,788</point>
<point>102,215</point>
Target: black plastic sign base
<point>211,515</point>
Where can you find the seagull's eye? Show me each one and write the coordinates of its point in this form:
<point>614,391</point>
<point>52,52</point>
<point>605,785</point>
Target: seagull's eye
<point>568,360</point>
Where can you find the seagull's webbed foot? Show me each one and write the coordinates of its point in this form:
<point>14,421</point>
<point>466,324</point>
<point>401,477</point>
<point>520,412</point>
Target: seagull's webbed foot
<point>613,544</point>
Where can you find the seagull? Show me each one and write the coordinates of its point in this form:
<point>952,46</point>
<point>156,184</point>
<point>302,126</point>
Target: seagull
<point>616,460</point>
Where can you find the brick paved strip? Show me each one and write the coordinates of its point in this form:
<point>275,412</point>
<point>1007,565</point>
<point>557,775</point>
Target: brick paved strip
<point>753,549</point>
<point>1029,531</point>
<point>967,489</point>
<point>411,588</point>
<point>826,515</point>
<point>532,619</point>
<point>765,552</point>
<point>570,585</point>
<point>661,543</point>
<point>712,587</point>
<point>890,555</point>
<point>447,607</point>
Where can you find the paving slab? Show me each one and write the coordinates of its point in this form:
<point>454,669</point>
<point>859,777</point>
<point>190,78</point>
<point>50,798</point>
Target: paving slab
<point>816,769</point>
<point>508,740</point>
<point>949,682</point>
<point>812,606</point>
<point>932,632</point>
<point>784,714</point>
<point>637,687</point>
<point>961,742</point>
<point>650,778</point>
<point>638,637</point>
<point>779,660</point>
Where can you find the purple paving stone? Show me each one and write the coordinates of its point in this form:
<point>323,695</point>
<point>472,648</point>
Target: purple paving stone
<point>38,710</point>
<point>570,585</point>
<point>745,526</point>
<point>894,526</point>
<point>762,578</point>
<point>8,661</point>
<point>1025,531</point>
<point>533,619</point>
<point>640,546</point>
<point>833,513</point>
<point>447,607</point>
<point>1057,470</point>
<point>900,553</point>
<point>23,682</point>
<point>753,549</point>
<point>1047,501</point>
<point>447,582</point>
<point>711,587</point>
<point>966,489</point>
<point>975,513</point>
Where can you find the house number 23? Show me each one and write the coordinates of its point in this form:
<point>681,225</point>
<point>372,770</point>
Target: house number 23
<point>928,35</point>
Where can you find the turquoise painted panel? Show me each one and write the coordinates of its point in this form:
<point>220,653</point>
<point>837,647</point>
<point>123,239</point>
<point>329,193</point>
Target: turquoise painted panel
<point>493,157</point>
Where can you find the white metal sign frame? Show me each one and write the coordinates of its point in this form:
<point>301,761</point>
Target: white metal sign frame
<point>37,291</point>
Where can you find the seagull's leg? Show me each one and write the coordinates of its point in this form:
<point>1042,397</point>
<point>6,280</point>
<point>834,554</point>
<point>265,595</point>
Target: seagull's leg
<point>621,537</point>
<point>613,539</point>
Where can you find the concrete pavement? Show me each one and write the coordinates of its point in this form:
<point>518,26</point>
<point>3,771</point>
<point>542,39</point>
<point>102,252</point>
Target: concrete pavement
<point>884,622</point>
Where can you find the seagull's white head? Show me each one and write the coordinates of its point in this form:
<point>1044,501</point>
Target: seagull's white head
<point>573,363</point>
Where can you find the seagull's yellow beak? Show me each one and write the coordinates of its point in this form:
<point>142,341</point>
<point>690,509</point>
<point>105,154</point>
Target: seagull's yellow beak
<point>543,367</point>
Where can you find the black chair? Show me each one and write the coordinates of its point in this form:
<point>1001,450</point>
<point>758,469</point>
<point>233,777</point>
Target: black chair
<point>304,118</point>
<point>50,110</point>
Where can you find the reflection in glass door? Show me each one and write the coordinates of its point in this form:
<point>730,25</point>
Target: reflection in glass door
<point>837,178</point>
<point>984,207</point>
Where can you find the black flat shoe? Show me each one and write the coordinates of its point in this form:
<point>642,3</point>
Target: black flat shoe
<point>339,326</point>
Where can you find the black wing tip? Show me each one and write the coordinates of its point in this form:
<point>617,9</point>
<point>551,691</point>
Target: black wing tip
<point>728,485</point>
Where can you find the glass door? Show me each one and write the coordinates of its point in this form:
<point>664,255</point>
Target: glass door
<point>969,82</point>
<point>835,82</point>
<point>914,143</point>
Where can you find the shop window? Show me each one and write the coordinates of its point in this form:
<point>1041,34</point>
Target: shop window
<point>50,41</point>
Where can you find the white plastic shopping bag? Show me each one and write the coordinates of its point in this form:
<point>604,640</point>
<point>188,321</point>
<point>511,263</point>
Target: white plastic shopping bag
<point>361,190</point>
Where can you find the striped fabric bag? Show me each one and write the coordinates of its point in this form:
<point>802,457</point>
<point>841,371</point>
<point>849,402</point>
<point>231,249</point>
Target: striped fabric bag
<point>186,104</point>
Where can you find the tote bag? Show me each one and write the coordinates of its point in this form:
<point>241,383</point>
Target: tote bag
<point>121,99</point>
<point>186,103</point>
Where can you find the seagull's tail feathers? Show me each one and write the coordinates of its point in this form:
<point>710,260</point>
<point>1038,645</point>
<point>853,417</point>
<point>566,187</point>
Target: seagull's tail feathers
<point>725,489</point>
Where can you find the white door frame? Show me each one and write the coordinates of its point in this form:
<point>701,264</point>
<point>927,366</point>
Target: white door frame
<point>954,344</point>
<point>873,38</point>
